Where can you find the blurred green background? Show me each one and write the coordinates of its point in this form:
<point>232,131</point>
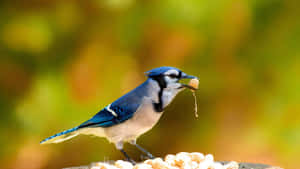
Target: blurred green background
<point>63,60</point>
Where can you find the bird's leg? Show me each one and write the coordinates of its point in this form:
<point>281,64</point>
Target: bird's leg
<point>119,146</point>
<point>133,142</point>
<point>145,151</point>
<point>127,157</point>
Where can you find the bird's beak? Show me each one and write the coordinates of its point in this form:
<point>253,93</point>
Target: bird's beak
<point>186,76</point>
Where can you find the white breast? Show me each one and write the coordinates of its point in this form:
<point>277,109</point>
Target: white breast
<point>142,121</point>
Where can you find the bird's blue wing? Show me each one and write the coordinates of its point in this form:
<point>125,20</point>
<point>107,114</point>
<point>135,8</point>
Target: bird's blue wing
<point>105,118</point>
<point>124,108</point>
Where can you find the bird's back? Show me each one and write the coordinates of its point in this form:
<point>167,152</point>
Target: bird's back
<point>123,108</point>
<point>144,117</point>
<point>134,98</point>
<point>135,115</point>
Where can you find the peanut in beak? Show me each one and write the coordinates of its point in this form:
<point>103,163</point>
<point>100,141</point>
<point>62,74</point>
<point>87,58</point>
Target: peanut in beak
<point>194,83</point>
<point>193,86</point>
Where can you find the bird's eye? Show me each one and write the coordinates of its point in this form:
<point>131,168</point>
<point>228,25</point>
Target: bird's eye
<point>172,76</point>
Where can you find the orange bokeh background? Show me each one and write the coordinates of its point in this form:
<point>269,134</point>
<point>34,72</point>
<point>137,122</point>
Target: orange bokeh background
<point>62,61</point>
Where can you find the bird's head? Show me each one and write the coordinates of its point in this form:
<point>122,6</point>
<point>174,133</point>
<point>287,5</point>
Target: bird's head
<point>169,77</point>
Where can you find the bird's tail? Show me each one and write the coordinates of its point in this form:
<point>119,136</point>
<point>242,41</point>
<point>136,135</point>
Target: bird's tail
<point>60,137</point>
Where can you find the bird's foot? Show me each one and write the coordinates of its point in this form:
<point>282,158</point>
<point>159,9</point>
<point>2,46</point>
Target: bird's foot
<point>143,157</point>
<point>147,157</point>
<point>150,156</point>
<point>131,161</point>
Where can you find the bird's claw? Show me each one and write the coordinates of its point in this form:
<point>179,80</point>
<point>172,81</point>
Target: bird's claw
<point>131,161</point>
<point>147,157</point>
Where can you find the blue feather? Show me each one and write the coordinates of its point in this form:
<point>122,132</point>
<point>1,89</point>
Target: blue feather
<point>105,118</point>
<point>60,136</point>
<point>160,70</point>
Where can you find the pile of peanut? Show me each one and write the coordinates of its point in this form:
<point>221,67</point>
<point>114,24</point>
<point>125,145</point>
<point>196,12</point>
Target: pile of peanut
<point>179,161</point>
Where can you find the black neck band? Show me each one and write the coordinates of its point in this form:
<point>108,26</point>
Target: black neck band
<point>158,107</point>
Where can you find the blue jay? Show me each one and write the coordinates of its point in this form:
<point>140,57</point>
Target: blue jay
<point>133,114</point>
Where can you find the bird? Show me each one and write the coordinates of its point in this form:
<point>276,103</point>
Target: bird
<point>134,113</point>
